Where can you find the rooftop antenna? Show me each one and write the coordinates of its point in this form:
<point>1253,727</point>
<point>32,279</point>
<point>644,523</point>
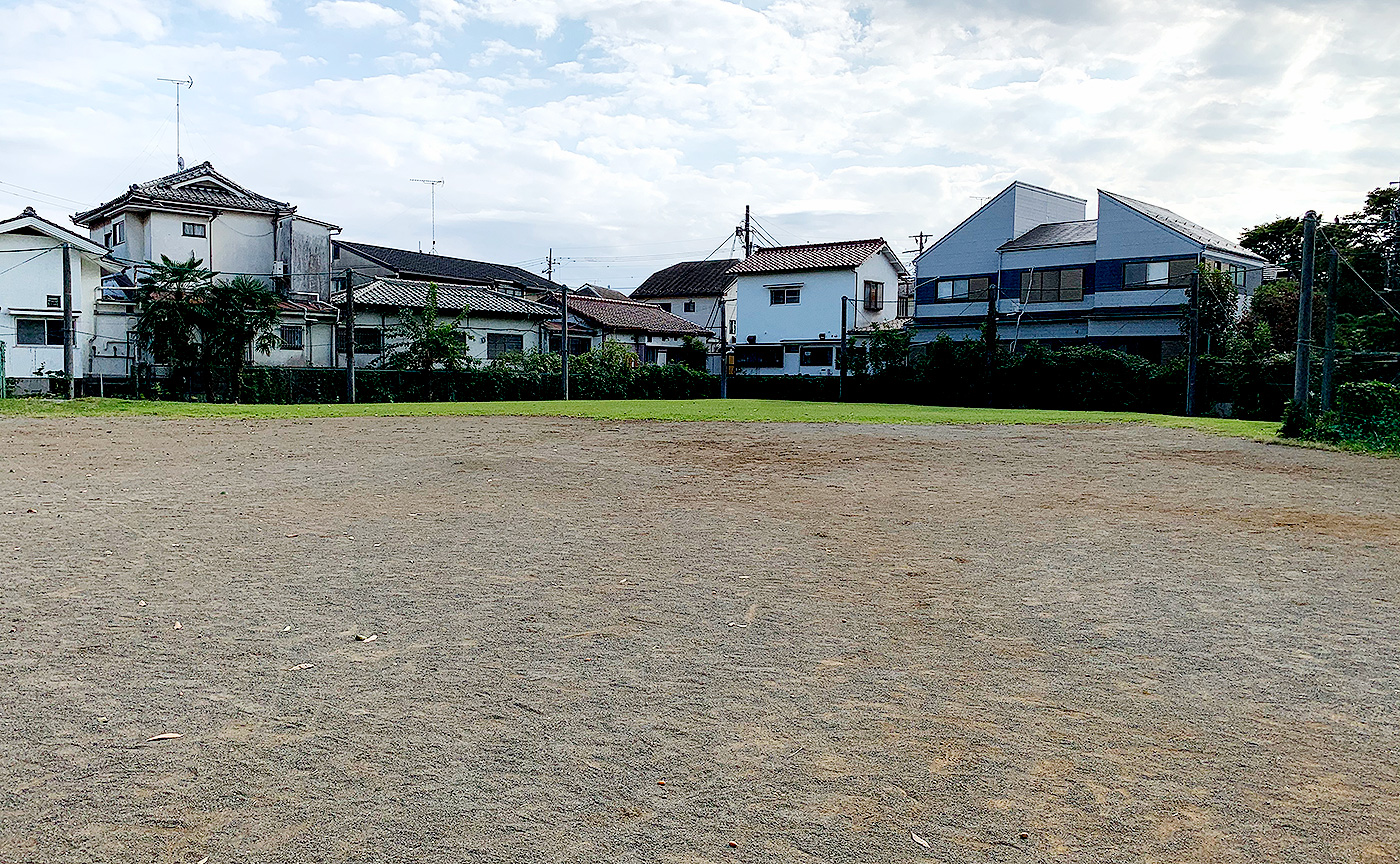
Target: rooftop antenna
<point>187,83</point>
<point>432,204</point>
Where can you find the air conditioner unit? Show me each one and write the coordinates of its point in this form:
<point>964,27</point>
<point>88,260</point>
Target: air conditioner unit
<point>279,268</point>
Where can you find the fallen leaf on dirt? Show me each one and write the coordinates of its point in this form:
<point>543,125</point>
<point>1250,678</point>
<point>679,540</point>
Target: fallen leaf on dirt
<point>298,667</point>
<point>370,638</point>
<point>140,602</point>
<point>164,736</point>
<point>285,629</point>
<point>917,839</point>
<point>177,626</point>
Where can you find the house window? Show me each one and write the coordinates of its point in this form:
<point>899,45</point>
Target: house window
<point>577,344</point>
<point>368,340</point>
<point>1149,274</point>
<point>501,344</point>
<point>905,306</point>
<point>38,331</point>
<point>291,338</point>
<point>118,233</point>
<point>665,307</point>
<point>193,229</point>
<point>54,301</point>
<point>690,305</point>
<point>784,296</point>
<point>759,356</point>
<point>874,295</point>
<point>815,355</point>
<point>1052,286</point>
<point>964,289</point>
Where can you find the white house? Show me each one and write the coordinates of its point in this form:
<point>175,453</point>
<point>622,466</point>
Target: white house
<point>790,302</point>
<point>694,290</point>
<point>495,324</point>
<point>31,300</point>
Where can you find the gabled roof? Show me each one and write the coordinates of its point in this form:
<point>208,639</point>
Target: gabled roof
<point>1183,226</point>
<point>689,279</point>
<point>413,294</point>
<point>846,255</point>
<point>629,315</point>
<point>31,222</point>
<point>1015,184</point>
<point>200,187</point>
<point>425,266</point>
<point>1055,234</point>
<point>588,289</point>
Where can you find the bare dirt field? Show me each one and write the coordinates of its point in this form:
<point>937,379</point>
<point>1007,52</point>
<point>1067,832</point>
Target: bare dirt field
<point>672,642</point>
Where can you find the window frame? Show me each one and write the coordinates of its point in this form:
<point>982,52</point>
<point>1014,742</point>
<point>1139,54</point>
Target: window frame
<point>197,230</point>
<point>1034,289</point>
<point>689,306</point>
<point>962,289</point>
<point>494,349</point>
<point>119,232</point>
<point>784,295</point>
<point>53,330</point>
<point>874,295</point>
<point>53,301</point>
<point>808,352</point>
<point>282,342</point>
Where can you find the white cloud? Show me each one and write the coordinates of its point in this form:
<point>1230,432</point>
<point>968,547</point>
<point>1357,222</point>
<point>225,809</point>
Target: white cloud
<point>261,11</point>
<point>355,14</point>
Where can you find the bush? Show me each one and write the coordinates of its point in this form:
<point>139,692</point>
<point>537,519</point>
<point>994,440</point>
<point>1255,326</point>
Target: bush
<point>1367,414</point>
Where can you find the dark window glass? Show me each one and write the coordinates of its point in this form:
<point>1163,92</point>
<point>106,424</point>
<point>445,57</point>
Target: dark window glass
<point>193,229</point>
<point>501,344</point>
<point>874,296</point>
<point>784,296</point>
<point>813,355</point>
<point>291,338</point>
<point>54,301</point>
<point>690,305</point>
<point>759,356</point>
<point>665,306</point>
<point>368,340</point>
<point>1052,286</point>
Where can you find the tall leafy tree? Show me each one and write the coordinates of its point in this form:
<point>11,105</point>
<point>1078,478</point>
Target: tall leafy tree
<point>424,343</point>
<point>168,315</point>
<point>234,315</point>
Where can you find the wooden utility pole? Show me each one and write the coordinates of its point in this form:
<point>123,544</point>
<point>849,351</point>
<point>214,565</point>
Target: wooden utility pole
<point>841,354</point>
<point>68,335</point>
<point>723,348</point>
<point>745,233</point>
<point>1193,341</point>
<point>1329,333</point>
<point>1301,364</point>
<point>349,337</point>
<point>563,324</point>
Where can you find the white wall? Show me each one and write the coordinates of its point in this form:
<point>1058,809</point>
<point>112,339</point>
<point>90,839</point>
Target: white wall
<point>477,327</point>
<point>24,292</point>
<point>704,314</point>
<point>819,311</point>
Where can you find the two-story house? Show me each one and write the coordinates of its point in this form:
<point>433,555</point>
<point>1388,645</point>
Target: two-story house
<point>1118,281</point>
<point>791,308</point>
<point>201,213</point>
<point>31,300</point>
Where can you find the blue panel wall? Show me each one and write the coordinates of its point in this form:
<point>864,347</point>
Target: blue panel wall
<point>1124,233</point>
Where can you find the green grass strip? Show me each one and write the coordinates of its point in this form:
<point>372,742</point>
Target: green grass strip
<point>742,410</point>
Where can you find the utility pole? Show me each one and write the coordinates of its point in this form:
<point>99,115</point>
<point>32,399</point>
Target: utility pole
<point>1301,368</point>
<point>745,233</point>
<point>1329,333</point>
<point>349,336</point>
<point>432,208</point>
<point>989,335</point>
<point>723,348</point>
<point>563,324</point>
<point>841,354</point>
<point>187,83</point>
<point>921,238</point>
<point>1193,341</point>
<point>68,320</point>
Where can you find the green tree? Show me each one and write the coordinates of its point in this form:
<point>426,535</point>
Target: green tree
<point>692,353</point>
<point>425,343</point>
<point>232,316</point>
<point>168,316</point>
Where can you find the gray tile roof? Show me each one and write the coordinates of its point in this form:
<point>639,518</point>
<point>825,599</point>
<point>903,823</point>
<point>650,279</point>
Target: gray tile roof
<point>421,264</point>
<point>413,294</point>
<point>200,186</point>
<point>629,315</point>
<point>688,279</point>
<point>1055,234</point>
<point>845,255</point>
<point>1183,226</point>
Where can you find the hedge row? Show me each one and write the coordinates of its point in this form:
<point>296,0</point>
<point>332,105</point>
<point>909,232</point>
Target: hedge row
<point>1367,414</point>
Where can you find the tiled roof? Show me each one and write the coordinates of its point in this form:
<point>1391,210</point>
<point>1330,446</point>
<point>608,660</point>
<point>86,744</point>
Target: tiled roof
<point>200,186</point>
<point>406,263</point>
<point>813,256</point>
<point>689,279</point>
<point>413,294</point>
<point>315,307</point>
<point>630,315</point>
<point>1183,226</point>
<point>53,230</point>
<point>590,290</point>
<point>1055,234</point>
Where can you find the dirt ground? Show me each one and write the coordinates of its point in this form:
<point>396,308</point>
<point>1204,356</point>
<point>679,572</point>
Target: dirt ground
<point>665,642</point>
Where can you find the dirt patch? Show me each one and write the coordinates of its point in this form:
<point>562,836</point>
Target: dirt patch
<point>644,641</point>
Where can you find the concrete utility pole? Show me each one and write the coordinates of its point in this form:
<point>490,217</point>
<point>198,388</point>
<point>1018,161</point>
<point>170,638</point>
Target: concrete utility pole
<point>1329,332</point>
<point>745,232</point>
<point>989,333</point>
<point>68,335</point>
<point>723,348</point>
<point>921,238</point>
<point>563,324</point>
<point>841,354</point>
<point>1301,368</point>
<point>349,337</point>
<point>1193,342</point>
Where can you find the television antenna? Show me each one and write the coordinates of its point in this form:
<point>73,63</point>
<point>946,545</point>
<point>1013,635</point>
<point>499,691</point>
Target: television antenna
<point>187,83</point>
<point>432,205</point>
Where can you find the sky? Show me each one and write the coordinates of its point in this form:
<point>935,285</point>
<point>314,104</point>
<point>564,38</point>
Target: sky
<point>627,136</point>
